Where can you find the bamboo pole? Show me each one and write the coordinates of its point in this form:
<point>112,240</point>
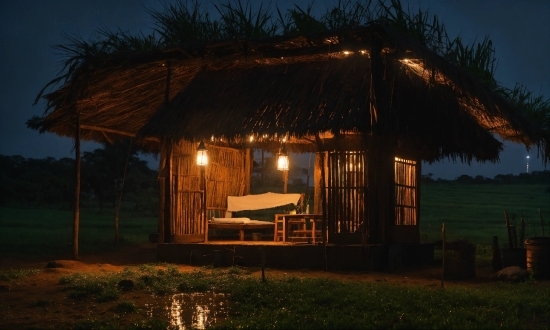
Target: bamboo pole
<point>205,221</point>
<point>514,234</point>
<point>541,222</point>
<point>262,168</point>
<point>263,263</point>
<point>443,251</point>
<point>121,190</point>
<point>161,183</point>
<point>168,191</point>
<point>76,214</point>
<point>285,181</point>
<point>323,199</point>
<point>510,242</point>
<point>168,145</point>
<point>522,232</point>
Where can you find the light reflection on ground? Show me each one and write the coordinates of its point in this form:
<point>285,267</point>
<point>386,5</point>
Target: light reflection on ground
<point>191,310</point>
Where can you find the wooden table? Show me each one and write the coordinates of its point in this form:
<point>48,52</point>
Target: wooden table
<point>313,218</point>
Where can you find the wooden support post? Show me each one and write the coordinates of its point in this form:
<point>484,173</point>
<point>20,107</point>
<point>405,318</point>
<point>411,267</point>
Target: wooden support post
<point>541,222</point>
<point>262,251</point>
<point>323,199</point>
<point>443,253</point>
<point>76,214</point>
<point>513,232</point>
<point>522,233</point>
<point>248,169</point>
<point>168,191</point>
<point>203,187</point>
<point>285,181</point>
<point>380,210</point>
<point>119,201</point>
<point>380,154</point>
<point>510,241</point>
<point>263,167</point>
<point>161,178</point>
<point>167,149</point>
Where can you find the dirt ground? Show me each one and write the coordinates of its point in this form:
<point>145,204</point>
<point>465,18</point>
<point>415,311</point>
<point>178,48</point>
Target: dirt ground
<point>38,301</point>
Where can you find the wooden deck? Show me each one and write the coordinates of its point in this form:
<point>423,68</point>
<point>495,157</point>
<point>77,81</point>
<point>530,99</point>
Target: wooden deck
<point>295,255</point>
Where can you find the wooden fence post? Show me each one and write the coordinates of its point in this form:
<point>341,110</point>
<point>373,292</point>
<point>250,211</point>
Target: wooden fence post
<point>443,253</point>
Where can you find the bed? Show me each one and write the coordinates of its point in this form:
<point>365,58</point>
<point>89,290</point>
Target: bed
<point>222,218</point>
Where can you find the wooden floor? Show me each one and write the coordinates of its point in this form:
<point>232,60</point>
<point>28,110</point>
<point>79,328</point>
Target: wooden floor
<point>257,243</point>
<point>296,255</point>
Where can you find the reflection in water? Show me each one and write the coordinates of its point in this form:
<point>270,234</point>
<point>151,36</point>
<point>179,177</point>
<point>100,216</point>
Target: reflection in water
<point>191,310</point>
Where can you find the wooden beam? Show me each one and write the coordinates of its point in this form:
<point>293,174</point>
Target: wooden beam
<point>109,130</point>
<point>107,137</point>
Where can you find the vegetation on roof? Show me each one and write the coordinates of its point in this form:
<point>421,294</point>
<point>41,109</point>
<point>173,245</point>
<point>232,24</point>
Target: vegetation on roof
<point>188,24</point>
<point>188,30</point>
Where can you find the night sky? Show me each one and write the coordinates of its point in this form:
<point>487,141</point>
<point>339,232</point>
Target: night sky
<point>29,28</point>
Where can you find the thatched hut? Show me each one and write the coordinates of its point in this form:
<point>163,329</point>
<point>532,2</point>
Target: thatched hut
<point>370,102</point>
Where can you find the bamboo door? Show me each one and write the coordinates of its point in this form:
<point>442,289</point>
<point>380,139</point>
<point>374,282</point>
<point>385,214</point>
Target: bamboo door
<point>406,201</point>
<point>345,196</point>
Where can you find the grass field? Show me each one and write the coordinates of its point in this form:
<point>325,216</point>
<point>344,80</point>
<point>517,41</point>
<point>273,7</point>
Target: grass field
<point>49,232</point>
<point>474,212</point>
<point>323,303</point>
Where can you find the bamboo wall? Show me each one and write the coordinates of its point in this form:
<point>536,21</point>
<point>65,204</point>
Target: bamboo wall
<point>406,203</point>
<point>345,191</point>
<point>346,188</point>
<point>227,173</point>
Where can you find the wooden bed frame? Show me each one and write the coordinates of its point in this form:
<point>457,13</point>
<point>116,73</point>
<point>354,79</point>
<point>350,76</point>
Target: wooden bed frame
<point>242,227</point>
<point>213,212</point>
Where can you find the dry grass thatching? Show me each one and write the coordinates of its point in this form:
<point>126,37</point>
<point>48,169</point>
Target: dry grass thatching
<point>294,87</point>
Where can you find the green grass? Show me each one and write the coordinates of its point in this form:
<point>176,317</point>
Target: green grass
<point>476,211</point>
<point>13,274</point>
<point>321,303</point>
<point>41,233</point>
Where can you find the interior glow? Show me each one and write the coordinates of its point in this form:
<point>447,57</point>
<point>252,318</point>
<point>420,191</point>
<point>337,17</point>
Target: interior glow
<point>282,162</point>
<point>202,155</point>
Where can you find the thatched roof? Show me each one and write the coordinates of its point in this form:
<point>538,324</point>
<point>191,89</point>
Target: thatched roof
<point>289,86</point>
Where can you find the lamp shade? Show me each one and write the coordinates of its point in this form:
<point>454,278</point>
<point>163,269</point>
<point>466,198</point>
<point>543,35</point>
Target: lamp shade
<point>282,160</point>
<point>202,155</point>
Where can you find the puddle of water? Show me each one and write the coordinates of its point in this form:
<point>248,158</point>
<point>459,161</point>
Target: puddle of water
<point>191,310</point>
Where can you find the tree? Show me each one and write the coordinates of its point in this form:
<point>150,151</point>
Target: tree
<point>102,171</point>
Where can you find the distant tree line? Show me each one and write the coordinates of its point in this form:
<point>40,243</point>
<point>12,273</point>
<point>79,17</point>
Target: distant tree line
<point>50,181</point>
<point>535,177</point>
